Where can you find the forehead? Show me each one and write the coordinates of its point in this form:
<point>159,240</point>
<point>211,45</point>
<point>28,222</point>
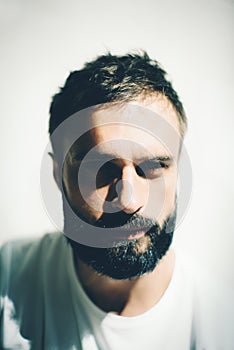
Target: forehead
<point>129,129</point>
<point>149,112</point>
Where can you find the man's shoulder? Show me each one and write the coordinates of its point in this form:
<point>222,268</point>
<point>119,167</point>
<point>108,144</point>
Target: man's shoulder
<point>33,286</point>
<point>25,257</point>
<point>28,248</point>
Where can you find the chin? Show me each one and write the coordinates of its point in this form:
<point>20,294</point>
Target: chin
<point>129,258</point>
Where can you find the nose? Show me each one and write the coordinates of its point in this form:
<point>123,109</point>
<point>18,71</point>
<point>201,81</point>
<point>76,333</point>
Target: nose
<point>131,191</point>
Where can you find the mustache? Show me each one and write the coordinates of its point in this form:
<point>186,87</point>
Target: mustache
<point>129,221</point>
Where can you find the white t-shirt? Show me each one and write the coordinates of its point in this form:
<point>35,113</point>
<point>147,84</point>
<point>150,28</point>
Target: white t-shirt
<point>43,306</point>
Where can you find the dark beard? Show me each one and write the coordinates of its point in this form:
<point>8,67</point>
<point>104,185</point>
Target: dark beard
<point>129,258</point>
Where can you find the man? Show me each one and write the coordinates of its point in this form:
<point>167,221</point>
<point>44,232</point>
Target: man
<point>112,280</point>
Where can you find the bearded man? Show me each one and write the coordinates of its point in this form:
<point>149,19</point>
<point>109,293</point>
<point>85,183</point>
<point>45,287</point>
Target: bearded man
<point>111,280</point>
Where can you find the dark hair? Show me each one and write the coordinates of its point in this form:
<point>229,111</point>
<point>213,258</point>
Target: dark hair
<point>111,78</point>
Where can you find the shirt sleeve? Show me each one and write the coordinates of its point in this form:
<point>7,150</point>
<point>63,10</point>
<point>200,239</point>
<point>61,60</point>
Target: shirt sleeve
<point>10,337</point>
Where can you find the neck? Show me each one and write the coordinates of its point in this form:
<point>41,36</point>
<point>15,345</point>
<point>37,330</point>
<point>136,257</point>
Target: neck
<point>127,297</point>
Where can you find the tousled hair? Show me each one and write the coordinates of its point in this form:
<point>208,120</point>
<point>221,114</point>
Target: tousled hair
<point>111,78</point>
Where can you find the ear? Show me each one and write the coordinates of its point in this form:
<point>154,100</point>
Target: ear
<point>55,170</point>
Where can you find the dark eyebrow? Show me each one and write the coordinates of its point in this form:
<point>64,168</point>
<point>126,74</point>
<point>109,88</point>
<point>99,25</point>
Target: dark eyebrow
<point>79,155</point>
<point>166,159</point>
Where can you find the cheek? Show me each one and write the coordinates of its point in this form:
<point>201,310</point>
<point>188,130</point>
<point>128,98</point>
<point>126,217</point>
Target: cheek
<point>70,182</point>
<point>170,194</point>
<point>85,198</point>
<point>171,183</point>
<point>161,198</point>
<point>95,199</point>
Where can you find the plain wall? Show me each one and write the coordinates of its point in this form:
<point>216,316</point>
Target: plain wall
<point>42,41</point>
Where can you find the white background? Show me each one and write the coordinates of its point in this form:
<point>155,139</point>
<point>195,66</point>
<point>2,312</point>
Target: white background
<point>42,41</point>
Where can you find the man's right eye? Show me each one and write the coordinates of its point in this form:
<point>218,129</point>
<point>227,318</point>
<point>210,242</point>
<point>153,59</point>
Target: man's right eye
<point>104,174</point>
<point>107,173</point>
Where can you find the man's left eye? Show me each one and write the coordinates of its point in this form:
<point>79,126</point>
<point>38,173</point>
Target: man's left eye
<point>150,168</point>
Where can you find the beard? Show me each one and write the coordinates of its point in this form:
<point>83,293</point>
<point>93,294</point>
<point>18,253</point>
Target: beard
<point>126,259</point>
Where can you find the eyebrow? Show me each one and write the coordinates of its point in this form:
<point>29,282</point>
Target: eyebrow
<point>79,155</point>
<point>158,159</point>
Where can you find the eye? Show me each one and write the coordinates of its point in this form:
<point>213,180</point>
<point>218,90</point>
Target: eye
<point>151,168</point>
<point>107,173</point>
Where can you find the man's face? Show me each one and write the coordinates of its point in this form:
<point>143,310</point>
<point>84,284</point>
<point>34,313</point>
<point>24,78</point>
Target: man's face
<point>127,177</point>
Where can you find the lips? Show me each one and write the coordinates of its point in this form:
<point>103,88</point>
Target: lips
<point>127,221</point>
<point>130,233</point>
<point>125,227</point>
<point>136,235</point>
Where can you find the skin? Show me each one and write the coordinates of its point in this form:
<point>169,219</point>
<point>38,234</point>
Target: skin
<point>151,195</point>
